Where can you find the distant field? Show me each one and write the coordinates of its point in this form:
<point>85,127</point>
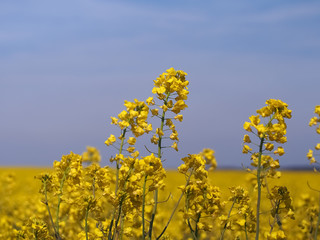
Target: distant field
<point>296,181</point>
<point>20,199</point>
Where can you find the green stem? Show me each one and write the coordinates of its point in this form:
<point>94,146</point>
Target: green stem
<point>192,231</point>
<point>143,206</point>
<point>196,232</point>
<point>155,196</point>
<point>121,226</point>
<point>59,198</point>
<point>188,220</point>
<point>110,235</point>
<point>229,213</point>
<point>120,205</point>
<point>154,210</point>
<point>277,216</point>
<point>259,187</point>
<point>118,161</point>
<point>111,225</point>
<point>35,234</point>
<point>118,217</point>
<point>56,234</point>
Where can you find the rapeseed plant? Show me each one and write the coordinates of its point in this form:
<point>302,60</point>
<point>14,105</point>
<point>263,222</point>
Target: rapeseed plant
<point>268,133</point>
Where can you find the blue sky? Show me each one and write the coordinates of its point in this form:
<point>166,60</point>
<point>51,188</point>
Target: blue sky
<point>67,66</point>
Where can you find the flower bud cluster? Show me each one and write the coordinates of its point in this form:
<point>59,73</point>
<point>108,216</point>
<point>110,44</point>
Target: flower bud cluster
<point>92,155</point>
<point>171,89</point>
<point>77,192</point>
<point>135,116</point>
<point>272,131</point>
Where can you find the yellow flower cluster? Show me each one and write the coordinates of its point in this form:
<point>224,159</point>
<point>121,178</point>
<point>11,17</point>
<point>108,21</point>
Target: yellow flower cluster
<point>275,109</point>
<point>240,217</point>
<point>202,200</point>
<point>135,116</point>
<point>171,89</point>
<point>75,191</point>
<point>136,176</point>
<point>92,155</point>
<point>174,83</point>
<point>267,132</point>
<point>272,130</point>
<point>314,121</point>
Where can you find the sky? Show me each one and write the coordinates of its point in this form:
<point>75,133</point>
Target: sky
<point>66,67</point>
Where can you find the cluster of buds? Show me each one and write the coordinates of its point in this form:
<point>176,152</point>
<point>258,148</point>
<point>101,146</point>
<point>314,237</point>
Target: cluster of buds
<point>171,89</point>
<point>270,132</point>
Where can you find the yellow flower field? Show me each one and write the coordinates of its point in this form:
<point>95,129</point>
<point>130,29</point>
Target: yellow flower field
<point>21,201</point>
<point>139,199</point>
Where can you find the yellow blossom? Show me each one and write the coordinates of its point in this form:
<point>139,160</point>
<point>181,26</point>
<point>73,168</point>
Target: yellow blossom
<point>132,140</point>
<point>150,101</point>
<point>279,151</point>
<point>179,117</point>
<point>246,139</point>
<point>247,127</point>
<point>155,112</point>
<point>175,146</point>
<point>269,146</point>
<point>246,149</point>
<point>110,140</point>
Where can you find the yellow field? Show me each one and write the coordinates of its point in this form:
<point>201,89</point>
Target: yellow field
<point>20,201</point>
<point>139,199</point>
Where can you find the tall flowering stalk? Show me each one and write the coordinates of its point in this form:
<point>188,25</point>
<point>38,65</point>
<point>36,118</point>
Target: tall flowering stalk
<point>272,131</point>
<point>172,91</point>
<point>132,120</point>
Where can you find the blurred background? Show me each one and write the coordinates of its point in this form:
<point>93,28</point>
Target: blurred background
<point>67,66</point>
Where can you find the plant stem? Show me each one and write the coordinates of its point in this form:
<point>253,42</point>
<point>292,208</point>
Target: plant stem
<point>59,198</point>
<point>120,206</point>
<point>192,231</point>
<point>259,187</point>
<point>110,235</point>
<point>118,161</point>
<point>155,196</point>
<point>143,206</point>
<point>196,232</point>
<point>56,234</point>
